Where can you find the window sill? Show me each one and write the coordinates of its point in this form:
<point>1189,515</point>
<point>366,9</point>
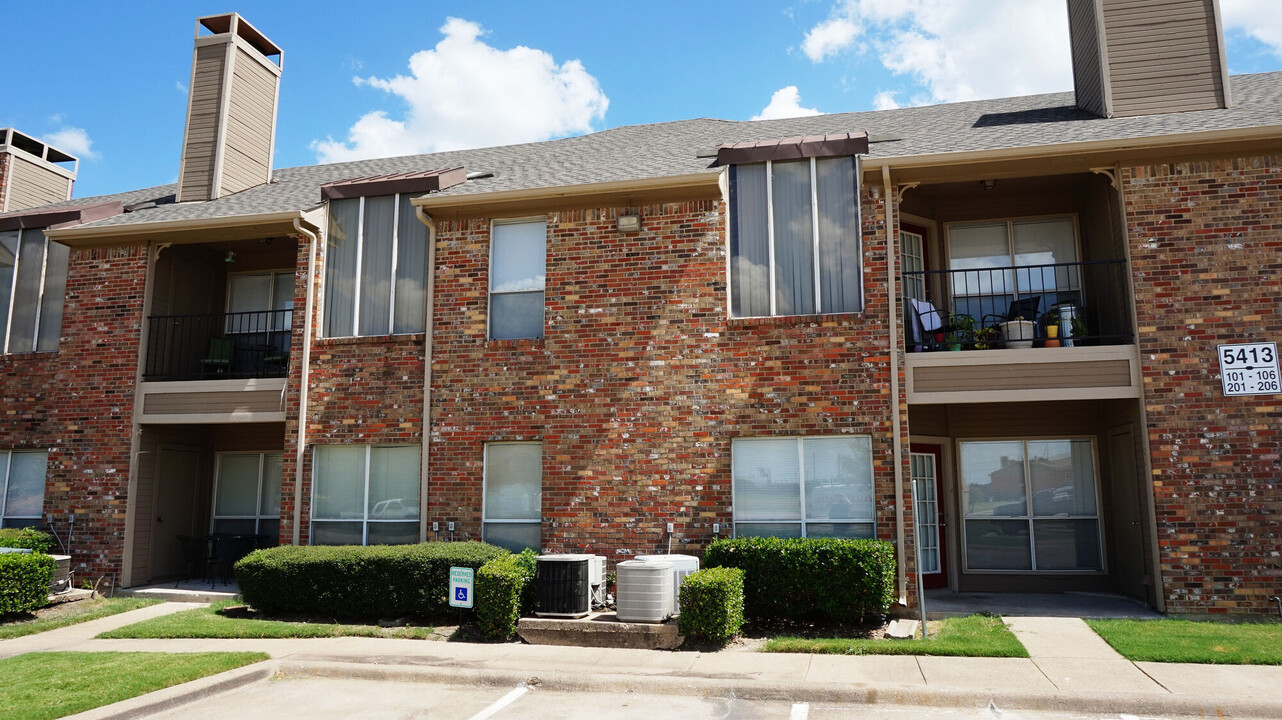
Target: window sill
<point>795,320</point>
<point>520,344</point>
<point>33,355</point>
<point>410,338</point>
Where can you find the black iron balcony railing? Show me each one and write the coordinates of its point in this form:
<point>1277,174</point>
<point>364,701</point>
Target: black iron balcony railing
<point>1052,305</point>
<point>219,346</point>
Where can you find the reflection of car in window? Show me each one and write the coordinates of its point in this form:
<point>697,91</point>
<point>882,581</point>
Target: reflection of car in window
<point>391,509</point>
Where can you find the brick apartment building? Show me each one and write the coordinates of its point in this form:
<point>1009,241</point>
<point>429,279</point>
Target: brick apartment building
<point>714,327</point>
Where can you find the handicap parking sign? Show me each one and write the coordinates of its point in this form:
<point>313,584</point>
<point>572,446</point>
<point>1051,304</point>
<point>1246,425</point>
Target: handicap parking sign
<point>461,583</point>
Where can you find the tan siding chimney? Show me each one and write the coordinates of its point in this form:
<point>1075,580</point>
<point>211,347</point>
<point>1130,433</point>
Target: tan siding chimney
<point>231,110</point>
<point>1145,57</point>
<point>33,173</point>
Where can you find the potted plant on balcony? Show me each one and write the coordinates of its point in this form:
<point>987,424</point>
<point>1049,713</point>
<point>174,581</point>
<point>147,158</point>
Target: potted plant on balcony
<point>961,331</point>
<point>1018,332</point>
<point>987,338</point>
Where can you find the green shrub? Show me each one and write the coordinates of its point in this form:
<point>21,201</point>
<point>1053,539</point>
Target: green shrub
<point>380,581</point>
<point>810,579</point>
<point>30,538</point>
<point>24,581</point>
<point>504,593</point>
<point>712,604</point>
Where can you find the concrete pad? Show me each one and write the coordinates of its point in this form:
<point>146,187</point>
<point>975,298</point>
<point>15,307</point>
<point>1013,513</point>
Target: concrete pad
<point>870,670</point>
<point>1262,682</point>
<point>600,631</point>
<point>902,629</point>
<point>1095,675</point>
<point>775,667</point>
<point>1056,637</point>
<point>1010,674</point>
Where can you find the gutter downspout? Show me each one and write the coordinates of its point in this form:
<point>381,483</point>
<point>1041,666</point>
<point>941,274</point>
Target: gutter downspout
<point>892,300</point>
<point>300,448</point>
<point>425,463</point>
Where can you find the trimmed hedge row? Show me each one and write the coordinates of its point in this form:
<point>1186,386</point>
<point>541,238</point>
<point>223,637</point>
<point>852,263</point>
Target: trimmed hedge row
<point>811,578</point>
<point>33,540</point>
<point>345,581</point>
<point>712,604</point>
<point>24,581</point>
<point>504,593</point>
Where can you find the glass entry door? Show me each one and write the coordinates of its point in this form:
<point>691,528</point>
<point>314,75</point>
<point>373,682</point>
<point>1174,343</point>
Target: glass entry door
<point>924,464</point>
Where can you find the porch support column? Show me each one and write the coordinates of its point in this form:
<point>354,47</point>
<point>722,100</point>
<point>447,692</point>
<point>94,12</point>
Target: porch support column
<point>896,422</point>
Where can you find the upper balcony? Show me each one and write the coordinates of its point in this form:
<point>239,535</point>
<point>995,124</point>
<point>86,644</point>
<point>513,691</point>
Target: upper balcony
<point>1015,333</point>
<point>219,332</point>
<point>222,346</point>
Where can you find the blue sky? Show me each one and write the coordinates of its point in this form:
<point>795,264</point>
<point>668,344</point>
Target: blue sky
<point>108,81</point>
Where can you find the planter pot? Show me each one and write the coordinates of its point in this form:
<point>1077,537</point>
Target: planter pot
<point>1018,333</point>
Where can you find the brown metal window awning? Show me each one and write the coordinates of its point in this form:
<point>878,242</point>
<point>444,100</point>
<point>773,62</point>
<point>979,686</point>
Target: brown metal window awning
<point>422,182</point>
<point>64,216</point>
<point>793,148</point>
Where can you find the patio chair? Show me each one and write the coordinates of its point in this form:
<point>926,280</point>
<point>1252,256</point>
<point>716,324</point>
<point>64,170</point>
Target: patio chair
<point>921,320</point>
<point>1025,307</point>
<point>195,556</point>
<point>217,360</point>
<point>227,550</point>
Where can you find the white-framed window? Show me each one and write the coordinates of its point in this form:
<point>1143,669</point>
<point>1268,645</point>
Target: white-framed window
<point>803,487</point>
<point>996,262</point>
<point>512,506</point>
<point>375,268</point>
<point>518,261</point>
<point>365,494</point>
<point>1030,505</point>
<point>22,487</point>
<point>247,494</point>
<point>33,286</point>
<point>265,296</point>
<point>794,238</point>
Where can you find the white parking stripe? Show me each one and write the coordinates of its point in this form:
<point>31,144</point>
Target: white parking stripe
<point>503,702</point>
<point>800,711</point>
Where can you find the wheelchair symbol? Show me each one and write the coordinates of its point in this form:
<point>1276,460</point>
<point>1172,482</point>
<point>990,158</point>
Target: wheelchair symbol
<point>460,594</point>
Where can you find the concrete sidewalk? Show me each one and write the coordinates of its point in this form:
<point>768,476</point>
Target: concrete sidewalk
<point>1071,669</point>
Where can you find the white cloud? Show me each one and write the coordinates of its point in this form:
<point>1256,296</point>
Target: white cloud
<point>464,93</point>
<point>829,37</point>
<point>964,49</point>
<point>71,139</point>
<point>885,100</point>
<point>785,103</point>
<point>180,86</point>
<point>1258,19</point>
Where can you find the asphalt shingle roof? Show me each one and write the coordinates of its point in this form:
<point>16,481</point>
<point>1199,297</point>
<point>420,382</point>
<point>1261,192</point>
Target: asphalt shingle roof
<point>667,149</point>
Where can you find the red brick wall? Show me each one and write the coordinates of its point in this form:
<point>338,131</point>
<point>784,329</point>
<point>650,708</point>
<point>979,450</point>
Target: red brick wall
<point>1206,254</point>
<point>78,403</point>
<point>366,390</point>
<point>641,381</point>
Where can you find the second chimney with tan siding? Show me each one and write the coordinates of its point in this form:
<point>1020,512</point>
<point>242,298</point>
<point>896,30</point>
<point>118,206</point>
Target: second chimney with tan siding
<point>231,110</point>
<point>1145,57</point>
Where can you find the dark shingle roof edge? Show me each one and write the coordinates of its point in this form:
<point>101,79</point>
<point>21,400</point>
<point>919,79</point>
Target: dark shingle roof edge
<point>680,148</point>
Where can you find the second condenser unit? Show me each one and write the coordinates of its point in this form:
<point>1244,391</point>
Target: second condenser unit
<point>644,591</point>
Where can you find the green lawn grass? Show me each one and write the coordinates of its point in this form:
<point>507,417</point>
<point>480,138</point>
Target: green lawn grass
<point>1193,642</point>
<point>51,685</point>
<point>970,636</point>
<point>65,614</point>
<point>208,623</point>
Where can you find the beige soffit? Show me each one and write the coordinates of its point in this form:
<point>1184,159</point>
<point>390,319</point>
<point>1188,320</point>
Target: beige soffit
<point>673,182</point>
<point>185,231</point>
